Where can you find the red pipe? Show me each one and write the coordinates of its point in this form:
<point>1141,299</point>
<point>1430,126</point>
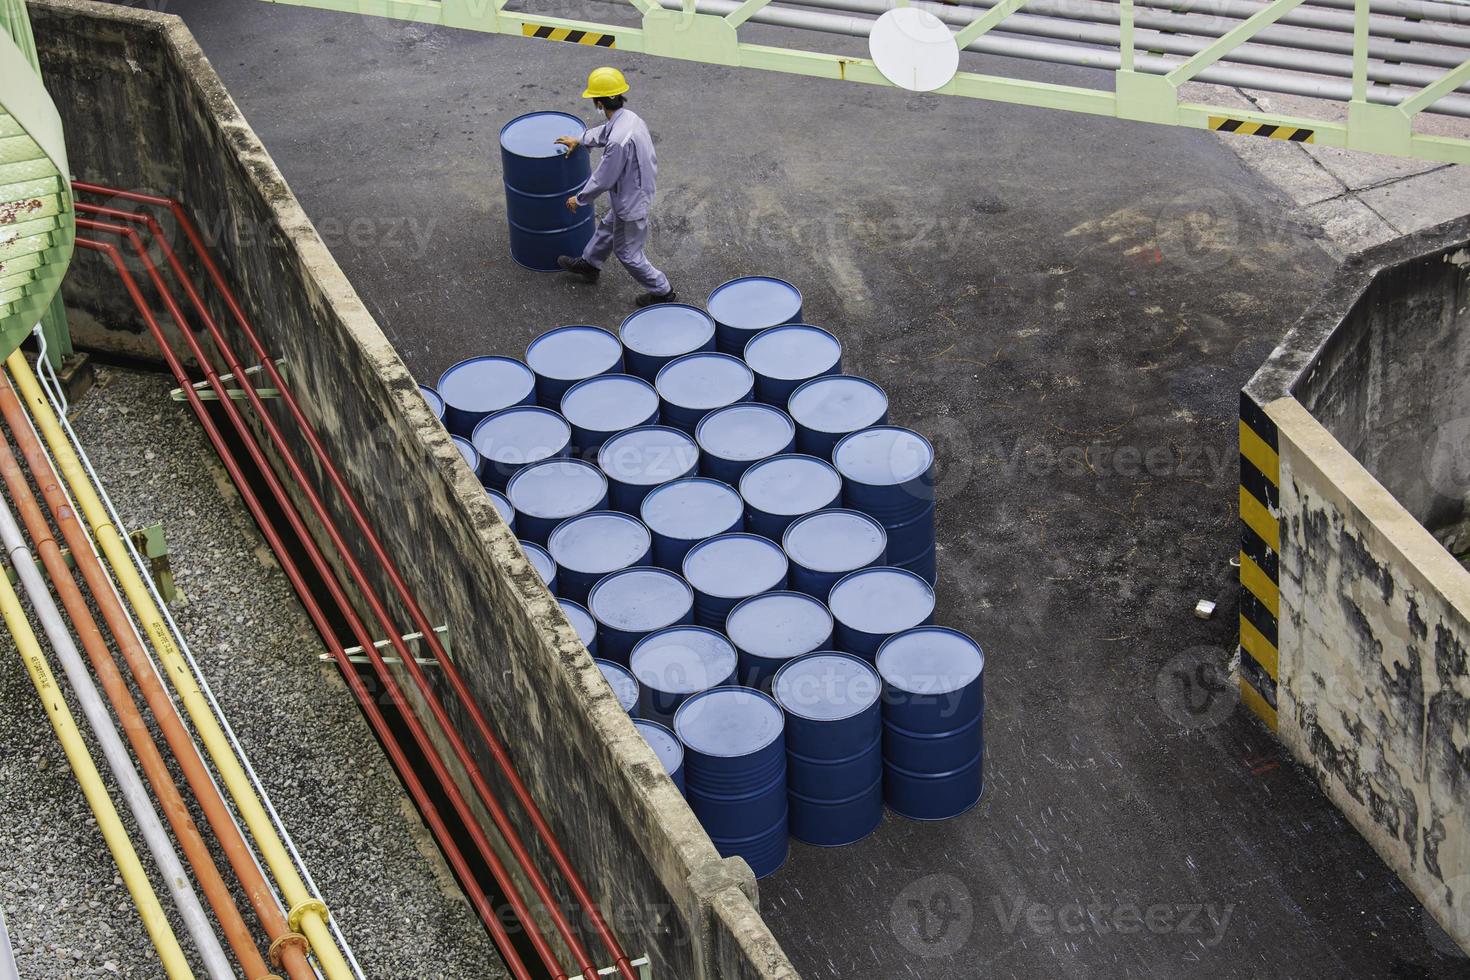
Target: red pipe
<point>359,690</point>
<point>421,621</point>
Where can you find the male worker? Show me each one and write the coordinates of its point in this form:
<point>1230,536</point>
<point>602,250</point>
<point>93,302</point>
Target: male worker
<point>627,171</point>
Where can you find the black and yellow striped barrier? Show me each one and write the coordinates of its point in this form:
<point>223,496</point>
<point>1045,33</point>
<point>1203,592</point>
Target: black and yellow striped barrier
<point>1260,546</point>
<point>1241,127</point>
<point>567,34</point>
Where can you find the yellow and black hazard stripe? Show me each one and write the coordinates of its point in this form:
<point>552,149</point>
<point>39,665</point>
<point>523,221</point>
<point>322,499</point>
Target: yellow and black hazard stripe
<point>1260,567</point>
<point>1241,127</point>
<point>567,34</point>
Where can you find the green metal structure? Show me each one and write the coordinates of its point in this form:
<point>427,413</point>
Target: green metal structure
<point>1382,97</point>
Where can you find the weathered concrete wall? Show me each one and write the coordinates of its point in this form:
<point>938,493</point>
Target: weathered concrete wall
<point>1355,620</point>
<point>649,864</point>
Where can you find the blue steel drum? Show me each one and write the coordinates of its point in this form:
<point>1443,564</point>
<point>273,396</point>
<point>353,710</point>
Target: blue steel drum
<point>826,409</point>
<point>539,177</point>
<point>656,335</point>
<point>685,512</point>
<point>692,386</point>
<point>933,699</point>
<point>836,822</point>
<point>933,796</point>
<point>887,472</point>
<point>630,604</point>
<point>594,544</point>
<point>582,622</point>
<point>728,568</point>
<point>666,747</point>
<point>504,509</point>
<point>786,357</point>
<point>563,356</point>
<point>735,773</point>
<point>624,685</point>
<point>825,546</point>
<point>871,605</point>
<point>542,563</point>
<point>601,407</point>
<point>546,493</point>
<point>432,399</point>
<point>922,564</point>
<point>674,664</point>
<point>470,455</point>
<point>778,490</point>
<point>732,438</point>
<point>512,439</point>
<point>744,307</point>
<point>640,459</point>
<point>481,386</point>
<point>833,725</point>
<point>771,629</point>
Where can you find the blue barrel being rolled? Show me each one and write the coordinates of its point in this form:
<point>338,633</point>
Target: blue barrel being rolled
<point>735,773</point>
<point>514,438</point>
<point>685,512</point>
<point>539,177</point>
<point>786,357</point>
<point>871,605</point>
<point>504,509</point>
<point>778,490</point>
<point>826,546</point>
<point>834,761</point>
<point>656,335</point>
<point>888,474</point>
<point>674,664</point>
<point>666,747</point>
<point>624,685</point>
<point>546,493</point>
<point>826,409</point>
<point>432,399</point>
<point>744,307</point>
<point>728,568</point>
<point>732,438</point>
<point>933,722</point>
<point>582,622</point>
<point>637,460</point>
<point>599,408</point>
<point>692,386</point>
<point>771,629</point>
<point>542,563</point>
<point>594,544</point>
<point>632,603</point>
<point>563,356</point>
<point>480,386</point>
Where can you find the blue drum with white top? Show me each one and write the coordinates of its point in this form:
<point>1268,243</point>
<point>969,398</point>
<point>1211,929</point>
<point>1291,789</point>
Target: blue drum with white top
<point>515,437</point>
<point>735,773</point>
<point>632,603</point>
<point>470,455</point>
<point>770,629</point>
<point>504,509</point>
<point>640,459</point>
<point>432,399</point>
<point>546,493</point>
<point>871,605</point>
<point>563,356</point>
<point>685,512</point>
<point>601,407</point>
<point>786,357</point>
<point>744,307</point>
<point>732,438</point>
<point>582,622</point>
<point>542,563</point>
<point>674,664</point>
<point>480,386</point>
<point>540,175</point>
<point>694,385</point>
<point>825,546</point>
<point>778,490</point>
<point>656,335</point>
<point>624,685</point>
<point>888,473</point>
<point>591,545</point>
<point>826,409</point>
<point>728,568</point>
<point>666,746</point>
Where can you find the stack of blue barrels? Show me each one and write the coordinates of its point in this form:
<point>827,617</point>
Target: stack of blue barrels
<point>737,531</point>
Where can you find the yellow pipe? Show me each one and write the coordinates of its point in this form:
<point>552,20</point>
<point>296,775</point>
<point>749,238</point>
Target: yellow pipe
<point>118,842</point>
<point>307,913</point>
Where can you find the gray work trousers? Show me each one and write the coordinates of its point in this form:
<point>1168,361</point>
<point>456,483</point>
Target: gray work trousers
<point>625,239</point>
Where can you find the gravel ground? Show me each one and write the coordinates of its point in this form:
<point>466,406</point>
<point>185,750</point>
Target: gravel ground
<point>67,910</point>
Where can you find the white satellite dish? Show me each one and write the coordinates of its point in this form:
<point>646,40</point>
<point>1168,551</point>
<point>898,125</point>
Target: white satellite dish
<point>914,49</point>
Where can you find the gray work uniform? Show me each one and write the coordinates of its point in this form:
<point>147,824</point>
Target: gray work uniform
<point>627,172</point>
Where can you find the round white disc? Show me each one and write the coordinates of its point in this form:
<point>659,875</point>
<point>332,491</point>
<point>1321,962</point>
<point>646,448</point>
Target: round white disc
<point>914,49</point>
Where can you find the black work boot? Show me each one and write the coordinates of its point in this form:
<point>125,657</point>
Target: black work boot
<point>649,299</point>
<point>579,267</point>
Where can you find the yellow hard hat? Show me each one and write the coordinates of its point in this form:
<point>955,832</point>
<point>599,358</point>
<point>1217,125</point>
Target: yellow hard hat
<point>605,82</point>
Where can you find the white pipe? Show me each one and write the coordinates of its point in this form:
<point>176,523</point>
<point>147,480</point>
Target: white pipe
<point>129,783</point>
<point>8,969</point>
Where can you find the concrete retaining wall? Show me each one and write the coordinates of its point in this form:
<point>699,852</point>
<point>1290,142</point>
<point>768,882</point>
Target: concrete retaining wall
<point>171,128</point>
<point>1355,619</point>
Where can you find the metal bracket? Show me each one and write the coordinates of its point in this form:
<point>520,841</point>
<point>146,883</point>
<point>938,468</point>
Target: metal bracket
<point>150,542</point>
<point>357,656</point>
<point>206,394</point>
<point>641,964</point>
